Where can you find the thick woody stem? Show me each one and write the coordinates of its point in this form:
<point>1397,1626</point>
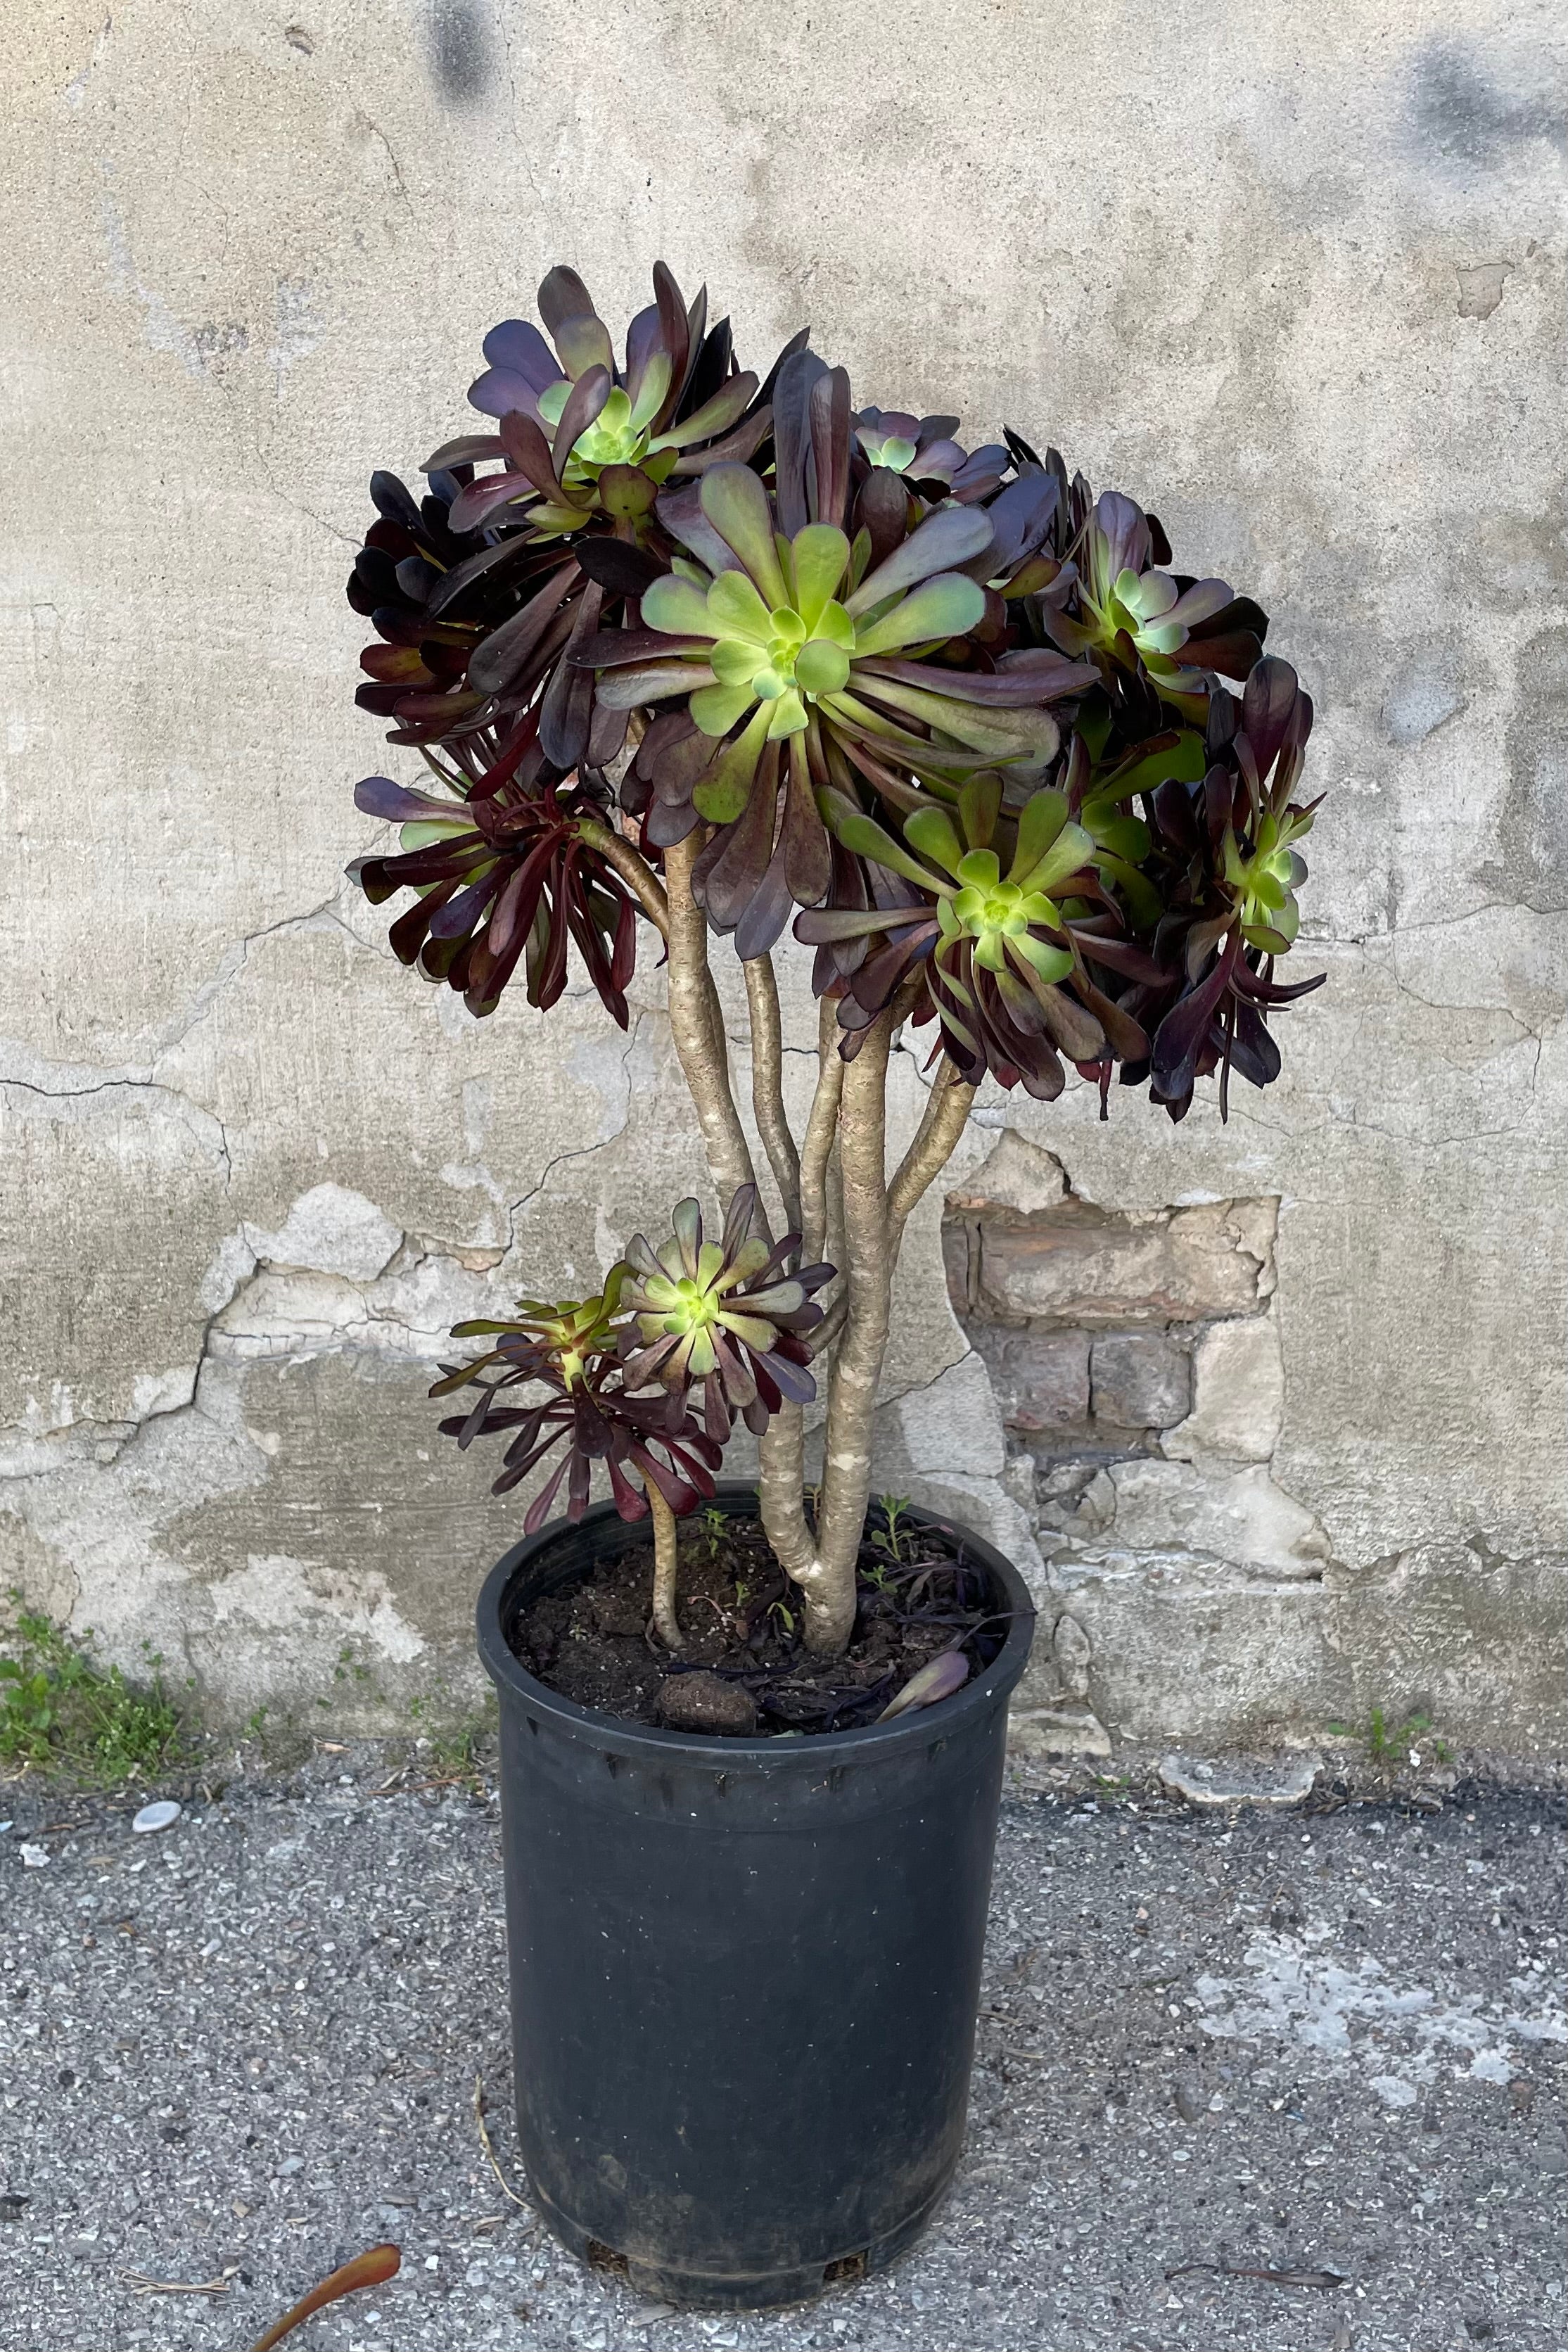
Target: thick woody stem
<point>781,1492</point>
<point>935,1141</point>
<point>822,1127</point>
<point>767,1085</point>
<point>665,1547</point>
<point>833,1250</point>
<point>828,1585</point>
<point>696,1027</point>
<point>634,871</point>
<point>826,1332</point>
<point>781,1481</point>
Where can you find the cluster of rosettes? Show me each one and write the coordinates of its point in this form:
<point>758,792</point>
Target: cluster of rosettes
<point>947,712</point>
<point>652,1372</point>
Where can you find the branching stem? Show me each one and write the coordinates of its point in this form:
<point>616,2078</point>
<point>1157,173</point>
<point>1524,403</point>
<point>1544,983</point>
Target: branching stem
<point>782,1478</point>
<point>829,1586</point>
<point>634,871</point>
<point>666,1625</point>
<point>837,1186</point>
<point>934,1142</point>
<point>826,1332</point>
<point>767,1085</point>
<point>696,1025</point>
<point>822,1127</point>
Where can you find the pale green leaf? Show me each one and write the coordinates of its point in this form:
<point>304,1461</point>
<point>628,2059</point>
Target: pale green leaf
<point>736,661</point>
<point>736,610</point>
<point>821,667</point>
<point>819,559</point>
<point>931,831</point>
<point>1043,818</point>
<point>724,787</point>
<point>715,709</point>
<point>1071,851</point>
<point>738,506</point>
<point>651,392</point>
<point>942,607</point>
<point>678,608</point>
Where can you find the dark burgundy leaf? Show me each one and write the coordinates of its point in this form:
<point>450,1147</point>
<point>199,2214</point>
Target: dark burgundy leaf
<point>619,567</point>
<point>498,661</point>
<point>1181,1034</point>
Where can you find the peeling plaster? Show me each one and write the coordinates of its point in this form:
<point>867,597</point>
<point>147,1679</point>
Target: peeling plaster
<point>336,1278</point>
<point>275,1594</point>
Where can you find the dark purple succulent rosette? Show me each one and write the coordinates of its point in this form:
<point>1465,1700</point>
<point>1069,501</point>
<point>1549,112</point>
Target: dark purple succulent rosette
<point>957,716</point>
<point>504,877</point>
<point>1228,870</point>
<point>534,534</point>
<point>827,629</point>
<point>571,1352</point>
<point>725,1321</point>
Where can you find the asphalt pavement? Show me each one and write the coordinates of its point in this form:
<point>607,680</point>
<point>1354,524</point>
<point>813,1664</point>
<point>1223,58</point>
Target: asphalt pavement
<point>1251,2082</point>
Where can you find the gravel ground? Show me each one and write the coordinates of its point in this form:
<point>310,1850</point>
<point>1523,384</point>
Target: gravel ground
<point>243,2049</point>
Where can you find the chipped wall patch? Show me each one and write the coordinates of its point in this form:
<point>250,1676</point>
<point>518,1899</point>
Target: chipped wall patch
<point>312,1601</point>
<point>331,1231</point>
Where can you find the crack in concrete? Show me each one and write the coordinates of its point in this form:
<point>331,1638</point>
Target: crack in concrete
<point>583,1150</point>
<point>54,1080</point>
<point>167,1039</point>
<point>218,1346</point>
<point>202,1123</point>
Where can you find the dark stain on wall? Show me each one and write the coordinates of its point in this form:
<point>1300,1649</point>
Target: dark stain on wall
<point>460,36</point>
<point>1467,118</point>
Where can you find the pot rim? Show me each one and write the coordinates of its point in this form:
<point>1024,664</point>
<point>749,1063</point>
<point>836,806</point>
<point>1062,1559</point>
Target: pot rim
<point>814,1751</point>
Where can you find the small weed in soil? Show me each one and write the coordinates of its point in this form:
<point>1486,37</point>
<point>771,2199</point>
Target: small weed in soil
<point>592,1640</point>
<point>61,1714</point>
<point>1389,1739</point>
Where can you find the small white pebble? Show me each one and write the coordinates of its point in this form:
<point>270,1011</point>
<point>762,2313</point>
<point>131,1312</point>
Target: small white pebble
<point>161,1816</point>
<point>36,1857</point>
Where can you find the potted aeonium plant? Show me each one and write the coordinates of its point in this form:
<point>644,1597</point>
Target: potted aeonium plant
<point>692,654</point>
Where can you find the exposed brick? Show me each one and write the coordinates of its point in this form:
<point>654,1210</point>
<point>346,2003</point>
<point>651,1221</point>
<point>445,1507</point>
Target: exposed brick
<point>1238,1392</point>
<point>1040,1378</point>
<point>1083,1265</point>
<point>1139,1379</point>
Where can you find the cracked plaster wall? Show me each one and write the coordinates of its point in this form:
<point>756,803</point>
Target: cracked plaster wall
<point>251,1170</point>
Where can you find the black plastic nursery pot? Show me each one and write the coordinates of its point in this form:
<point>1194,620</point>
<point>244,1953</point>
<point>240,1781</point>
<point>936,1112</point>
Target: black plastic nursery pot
<point>743,1972</point>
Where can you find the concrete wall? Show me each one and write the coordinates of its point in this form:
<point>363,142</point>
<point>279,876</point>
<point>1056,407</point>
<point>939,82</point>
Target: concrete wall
<point>1297,277</point>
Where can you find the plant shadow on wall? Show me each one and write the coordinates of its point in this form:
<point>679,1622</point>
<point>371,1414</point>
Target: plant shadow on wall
<point>690,651</point>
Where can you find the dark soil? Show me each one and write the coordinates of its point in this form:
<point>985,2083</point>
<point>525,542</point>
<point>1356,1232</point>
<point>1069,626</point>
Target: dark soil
<point>592,1640</point>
